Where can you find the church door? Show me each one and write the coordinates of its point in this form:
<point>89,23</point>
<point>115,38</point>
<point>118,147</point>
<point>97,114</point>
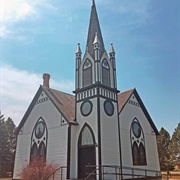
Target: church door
<point>86,153</point>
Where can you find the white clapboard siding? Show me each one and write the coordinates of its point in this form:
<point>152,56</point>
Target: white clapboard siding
<point>109,137</point>
<point>56,136</point>
<point>22,154</point>
<point>126,117</point>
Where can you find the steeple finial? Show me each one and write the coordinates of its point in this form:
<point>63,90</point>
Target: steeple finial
<point>78,50</point>
<point>93,3</point>
<point>111,49</point>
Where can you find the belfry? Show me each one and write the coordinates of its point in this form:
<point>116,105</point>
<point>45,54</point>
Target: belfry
<point>97,133</point>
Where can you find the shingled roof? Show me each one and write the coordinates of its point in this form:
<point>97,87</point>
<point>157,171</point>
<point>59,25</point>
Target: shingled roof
<point>123,98</point>
<point>65,104</point>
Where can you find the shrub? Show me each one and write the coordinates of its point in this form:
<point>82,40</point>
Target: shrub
<point>37,170</point>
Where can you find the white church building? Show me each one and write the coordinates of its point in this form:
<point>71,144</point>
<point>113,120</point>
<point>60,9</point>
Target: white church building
<point>99,132</point>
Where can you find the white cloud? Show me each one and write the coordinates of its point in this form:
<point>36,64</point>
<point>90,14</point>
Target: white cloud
<point>15,11</point>
<point>4,32</point>
<point>25,10</point>
<point>18,88</point>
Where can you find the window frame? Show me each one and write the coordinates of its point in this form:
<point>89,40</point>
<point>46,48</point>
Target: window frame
<point>39,141</point>
<point>106,73</point>
<point>87,72</point>
<point>138,146</point>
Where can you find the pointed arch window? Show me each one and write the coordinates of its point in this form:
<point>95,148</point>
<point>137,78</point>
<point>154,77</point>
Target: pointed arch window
<point>34,152</point>
<point>135,153</point>
<point>142,155</point>
<point>42,151</point>
<point>87,73</point>
<point>105,73</point>
<point>86,136</point>
<point>39,141</point>
<point>138,144</point>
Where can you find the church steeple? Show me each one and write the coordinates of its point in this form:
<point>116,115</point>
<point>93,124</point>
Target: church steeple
<point>94,28</point>
<point>96,67</point>
<point>96,100</point>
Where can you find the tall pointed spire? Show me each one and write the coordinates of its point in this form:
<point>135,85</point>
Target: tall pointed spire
<point>94,28</point>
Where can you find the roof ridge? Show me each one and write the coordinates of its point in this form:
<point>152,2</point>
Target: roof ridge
<point>64,102</point>
<point>123,98</point>
<point>58,91</point>
<point>127,91</point>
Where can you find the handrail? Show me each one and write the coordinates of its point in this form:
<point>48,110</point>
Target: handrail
<point>149,170</point>
<point>123,167</point>
<point>51,174</point>
<point>116,171</point>
<point>90,174</point>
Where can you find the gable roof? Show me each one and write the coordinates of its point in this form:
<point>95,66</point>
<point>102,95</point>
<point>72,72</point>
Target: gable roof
<point>123,99</point>
<point>65,104</point>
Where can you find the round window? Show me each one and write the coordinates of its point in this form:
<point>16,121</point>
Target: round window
<point>39,130</point>
<point>109,107</point>
<point>136,129</point>
<point>86,108</point>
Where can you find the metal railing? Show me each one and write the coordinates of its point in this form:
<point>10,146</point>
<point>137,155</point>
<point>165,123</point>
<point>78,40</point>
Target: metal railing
<point>107,172</point>
<point>59,171</point>
<point>119,173</point>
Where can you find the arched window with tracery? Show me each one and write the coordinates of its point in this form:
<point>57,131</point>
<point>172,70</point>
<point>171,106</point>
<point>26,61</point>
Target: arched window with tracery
<point>105,73</point>
<point>39,141</point>
<point>87,73</point>
<point>138,144</point>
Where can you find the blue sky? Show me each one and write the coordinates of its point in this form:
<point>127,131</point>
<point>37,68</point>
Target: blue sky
<point>41,36</point>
